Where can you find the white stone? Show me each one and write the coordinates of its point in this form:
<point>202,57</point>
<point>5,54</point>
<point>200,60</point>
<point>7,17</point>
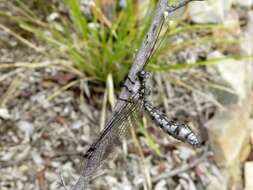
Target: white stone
<point>251,130</point>
<point>51,176</point>
<point>247,37</point>
<point>37,158</point>
<point>77,125</point>
<point>185,152</point>
<point>161,185</point>
<point>233,72</point>
<point>4,114</point>
<point>250,22</point>
<point>246,3</point>
<point>228,134</point>
<point>7,156</point>
<point>26,127</point>
<point>23,153</point>
<point>246,40</point>
<point>248,175</point>
<point>209,11</point>
<point>53,16</point>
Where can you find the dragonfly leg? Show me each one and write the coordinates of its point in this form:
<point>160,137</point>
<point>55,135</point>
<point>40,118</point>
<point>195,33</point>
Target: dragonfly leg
<point>130,90</point>
<point>145,89</point>
<point>128,78</point>
<point>132,87</point>
<point>125,100</point>
<point>124,84</point>
<point>127,87</point>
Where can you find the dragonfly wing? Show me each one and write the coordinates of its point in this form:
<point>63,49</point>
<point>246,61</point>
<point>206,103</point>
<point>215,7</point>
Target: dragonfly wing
<point>109,138</point>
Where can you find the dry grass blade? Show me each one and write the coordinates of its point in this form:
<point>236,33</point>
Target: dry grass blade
<point>103,111</point>
<point>22,40</point>
<point>147,183</point>
<point>59,63</point>
<point>59,91</point>
<point>11,91</point>
<point>10,74</point>
<point>110,87</point>
<point>189,87</point>
<point>99,14</point>
<point>33,65</point>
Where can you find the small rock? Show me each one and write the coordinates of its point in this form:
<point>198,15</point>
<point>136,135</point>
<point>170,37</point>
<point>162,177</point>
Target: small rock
<point>67,166</point>
<point>23,168</point>
<point>246,3</point>
<point>85,7</point>
<point>55,164</point>
<point>23,153</point>
<point>215,183</point>
<point>233,73</point>
<point>77,125</point>
<point>246,45</point>
<point>37,158</point>
<point>4,114</point>
<point>185,152</point>
<point>161,185</point>
<point>246,38</point>
<point>250,23</point>
<point>53,16</point>
<point>210,11</point>
<point>251,128</point>
<point>248,175</point>
<point>26,127</point>
<point>228,134</point>
<point>51,176</point>
<point>122,4</point>
<point>13,43</point>
<point>7,156</point>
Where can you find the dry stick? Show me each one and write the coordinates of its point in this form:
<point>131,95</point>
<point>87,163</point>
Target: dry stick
<point>142,56</point>
<point>21,39</point>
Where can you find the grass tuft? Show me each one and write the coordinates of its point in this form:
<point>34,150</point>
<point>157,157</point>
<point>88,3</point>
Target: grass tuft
<point>101,46</point>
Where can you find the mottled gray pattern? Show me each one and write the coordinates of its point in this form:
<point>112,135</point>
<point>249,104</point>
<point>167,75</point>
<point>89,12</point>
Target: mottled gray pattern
<point>179,131</point>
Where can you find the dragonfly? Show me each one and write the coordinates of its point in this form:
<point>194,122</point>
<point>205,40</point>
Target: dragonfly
<point>116,127</point>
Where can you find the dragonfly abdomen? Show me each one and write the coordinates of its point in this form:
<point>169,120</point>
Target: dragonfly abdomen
<point>179,131</point>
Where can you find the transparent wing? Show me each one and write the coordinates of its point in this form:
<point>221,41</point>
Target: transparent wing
<point>108,140</point>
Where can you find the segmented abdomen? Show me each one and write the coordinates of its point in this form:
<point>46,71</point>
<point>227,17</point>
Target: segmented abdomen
<point>179,131</point>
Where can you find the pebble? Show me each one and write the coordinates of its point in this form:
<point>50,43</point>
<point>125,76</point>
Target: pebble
<point>4,114</point>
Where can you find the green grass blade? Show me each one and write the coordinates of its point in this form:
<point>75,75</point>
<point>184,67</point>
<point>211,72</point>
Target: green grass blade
<point>76,15</point>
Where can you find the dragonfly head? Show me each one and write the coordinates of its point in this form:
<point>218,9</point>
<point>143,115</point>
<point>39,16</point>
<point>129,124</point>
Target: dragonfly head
<point>143,75</point>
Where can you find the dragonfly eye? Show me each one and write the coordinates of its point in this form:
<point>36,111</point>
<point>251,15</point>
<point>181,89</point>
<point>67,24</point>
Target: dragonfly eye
<point>143,75</point>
